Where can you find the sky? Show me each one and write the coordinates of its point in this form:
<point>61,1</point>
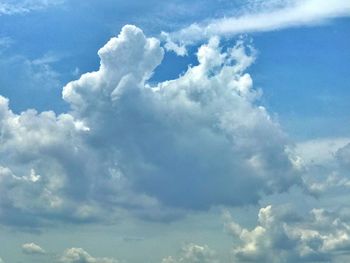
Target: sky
<point>205,131</point>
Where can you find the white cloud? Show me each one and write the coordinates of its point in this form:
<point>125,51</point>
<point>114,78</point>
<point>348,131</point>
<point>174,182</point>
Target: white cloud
<point>46,59</point>
<point>289,14</point>
<point>193,253</point>
<point>79,255</point>
<point>12,7</point>
<point>2,261</point>
<point>38,156</point>
<point>283,236</point>
<point>190,143</point>
<point>31,248</point>
<point>202,137</point>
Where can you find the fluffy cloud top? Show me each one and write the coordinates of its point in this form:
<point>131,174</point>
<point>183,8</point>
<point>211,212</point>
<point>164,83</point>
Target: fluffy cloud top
<point>195,141</point>
<point>283,236</point>
<point>79,255</point>
<point>190,143</point>
<point>193,253</point>
<point>32,248</point>
<point>38,156</point>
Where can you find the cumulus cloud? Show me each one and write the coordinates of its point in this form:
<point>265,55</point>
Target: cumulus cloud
<point>283,236</point>
<point>32,248</point>
<point>152,150</point>
<point>193,253</point>
<point>267,18</point>
<point>40,157</point>
<point>79,255</point>
<point>202,129</point>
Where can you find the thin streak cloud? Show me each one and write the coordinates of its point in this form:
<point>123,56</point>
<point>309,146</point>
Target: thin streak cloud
<point>19,7</point>
<point>292,14</point>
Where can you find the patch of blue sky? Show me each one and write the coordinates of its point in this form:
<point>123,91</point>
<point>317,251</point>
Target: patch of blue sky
<point>304,73</point>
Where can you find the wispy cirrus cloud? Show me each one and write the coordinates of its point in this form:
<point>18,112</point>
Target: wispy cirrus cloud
<point>260,18</point>
<point>19,7</point>
<point>5,42</point>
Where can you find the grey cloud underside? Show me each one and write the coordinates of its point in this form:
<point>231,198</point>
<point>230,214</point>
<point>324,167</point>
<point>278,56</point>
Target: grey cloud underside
<point>190,143</point>
<point>326,163</point>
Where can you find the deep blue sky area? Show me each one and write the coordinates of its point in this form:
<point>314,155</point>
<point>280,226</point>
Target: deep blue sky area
<point>304,73</point>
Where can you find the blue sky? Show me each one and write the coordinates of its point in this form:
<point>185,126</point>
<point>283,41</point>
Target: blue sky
<point>46,36</point>
<point>174,132</point>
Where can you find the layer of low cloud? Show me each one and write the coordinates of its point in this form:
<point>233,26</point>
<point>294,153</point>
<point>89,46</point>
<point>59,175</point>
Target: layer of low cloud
<point>32,249</point>
<point>289,14</point>
<point>282,234</point>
